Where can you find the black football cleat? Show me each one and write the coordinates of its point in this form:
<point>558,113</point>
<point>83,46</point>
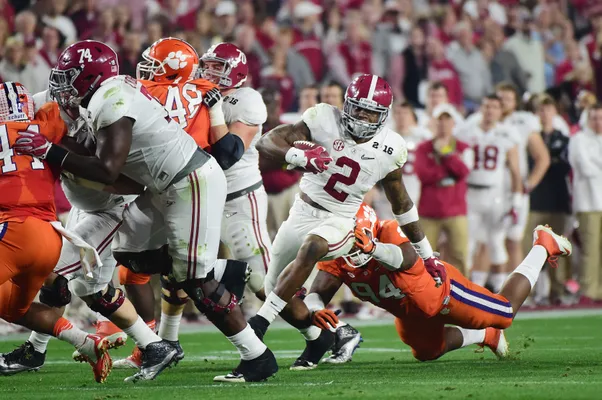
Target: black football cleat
<point>257,370</point>
<point>314,350</point>
<point>180,351</point>
<point>347,340</point>
<point>156,357</point>
<point>23,358</point>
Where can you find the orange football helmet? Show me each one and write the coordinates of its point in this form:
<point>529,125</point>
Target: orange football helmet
<point>366,220</point>
<point>16,104</point>
<point>168,60</point>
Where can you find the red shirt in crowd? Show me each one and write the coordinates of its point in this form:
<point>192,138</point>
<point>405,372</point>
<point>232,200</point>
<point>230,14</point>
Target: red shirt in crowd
<point>358,59</point>
<point>443,181</point>
<point>287,89</point>
<point>444,72</point>
<point>594,50</point>
<point>310,47</point>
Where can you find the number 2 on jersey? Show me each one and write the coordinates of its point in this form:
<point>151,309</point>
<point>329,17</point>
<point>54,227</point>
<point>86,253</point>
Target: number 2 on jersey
<point>347,180</point>
<point>7,154</point>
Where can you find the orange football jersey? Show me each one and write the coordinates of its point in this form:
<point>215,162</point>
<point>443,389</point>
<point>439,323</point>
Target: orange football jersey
<point>26,183</point>
<point>386,289</point>
<point>184,102</point>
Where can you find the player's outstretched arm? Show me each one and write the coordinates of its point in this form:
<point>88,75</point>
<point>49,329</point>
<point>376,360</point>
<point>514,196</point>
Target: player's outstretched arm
<point>112,148</point>
<point>275,144</point>
<point>406,215</point>
<point>323,289</point>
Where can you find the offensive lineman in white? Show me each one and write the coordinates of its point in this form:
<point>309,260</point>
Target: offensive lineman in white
<point>244,227</point>
<point>494,148</point>
<point>185,191</point>
<point>344,154</point>
<point>95,217</point>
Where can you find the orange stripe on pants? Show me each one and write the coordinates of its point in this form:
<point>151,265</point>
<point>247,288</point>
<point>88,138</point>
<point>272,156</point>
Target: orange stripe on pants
<point>29,251</point>
<point>128,277</point>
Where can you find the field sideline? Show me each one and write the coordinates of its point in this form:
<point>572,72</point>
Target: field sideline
<point>555,355</point>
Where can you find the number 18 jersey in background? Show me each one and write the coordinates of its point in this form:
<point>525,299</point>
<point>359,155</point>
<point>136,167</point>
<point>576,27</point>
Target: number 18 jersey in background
<point>26,183</point>
<point>184,104</point>
<point>355,168</point>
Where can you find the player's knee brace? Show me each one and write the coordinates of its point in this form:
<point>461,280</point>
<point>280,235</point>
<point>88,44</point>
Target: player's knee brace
<point>210,296</point>
<point>148,262</point>
<point>235,277</point>
<point>106,304</point>
<point>57,294</point>
<point>171,293</point>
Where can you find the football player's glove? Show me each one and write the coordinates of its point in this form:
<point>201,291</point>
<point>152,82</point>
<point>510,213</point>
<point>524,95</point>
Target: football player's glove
<point>325,319</point>
<point>436,269</point>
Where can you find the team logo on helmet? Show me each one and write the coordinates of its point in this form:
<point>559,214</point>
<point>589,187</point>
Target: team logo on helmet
<point>176,60</point>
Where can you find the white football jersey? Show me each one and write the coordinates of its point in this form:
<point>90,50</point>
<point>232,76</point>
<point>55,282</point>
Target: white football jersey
<point>416,136</point>
<point>523,124</point>
<point>160,148</point>
<point>81,197</point>
<point>245,105</point>
<point>355,168</point>
<point>490,152</point>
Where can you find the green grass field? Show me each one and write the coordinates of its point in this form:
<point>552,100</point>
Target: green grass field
<point>552,358</point>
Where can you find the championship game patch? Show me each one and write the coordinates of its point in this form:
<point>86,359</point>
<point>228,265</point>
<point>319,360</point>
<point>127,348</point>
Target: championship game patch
<point>3,229</point>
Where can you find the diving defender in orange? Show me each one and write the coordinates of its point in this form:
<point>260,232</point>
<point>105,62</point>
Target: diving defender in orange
<point>29,245</point>
<point>385,270</point>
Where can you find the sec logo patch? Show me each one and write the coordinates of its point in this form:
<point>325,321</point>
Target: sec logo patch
<point>338,145</point>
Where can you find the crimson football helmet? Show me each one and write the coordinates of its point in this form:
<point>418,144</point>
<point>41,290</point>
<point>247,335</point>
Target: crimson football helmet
<point>233,70</point>
<point>16,104</point>
<point>368,99</point>
<point>81,69</point>
<point>365,218</point>
<point>168,60</point>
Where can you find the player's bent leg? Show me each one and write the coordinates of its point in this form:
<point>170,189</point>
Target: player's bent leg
<point>173,301</point>
<point>425,336</point>
<point>220,306</point>
<point>547,247</point>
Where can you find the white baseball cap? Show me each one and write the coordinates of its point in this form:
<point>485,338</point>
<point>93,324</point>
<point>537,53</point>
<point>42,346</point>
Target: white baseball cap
<point>225,7</point>
<point>306,9</point>
<point>444,108</point>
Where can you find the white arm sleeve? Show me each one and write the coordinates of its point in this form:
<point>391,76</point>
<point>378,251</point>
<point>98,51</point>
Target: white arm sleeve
<point>388,255</point>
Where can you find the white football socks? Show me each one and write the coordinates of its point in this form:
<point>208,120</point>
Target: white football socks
<point>248,344</point>
<point>39,341</point>
<point>532,264</point>
<point>479,277</point>
<point>141,333</point>
<point>497,280</point>
<point>272,307</point>
<point>311,333</point>
<point>472,336</point>
<point>169,326</point>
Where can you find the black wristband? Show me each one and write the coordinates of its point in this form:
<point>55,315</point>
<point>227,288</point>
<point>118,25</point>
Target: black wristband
<point>56,155</point>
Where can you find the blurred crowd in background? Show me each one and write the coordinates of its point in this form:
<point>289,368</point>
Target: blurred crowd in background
<point>301,52</point>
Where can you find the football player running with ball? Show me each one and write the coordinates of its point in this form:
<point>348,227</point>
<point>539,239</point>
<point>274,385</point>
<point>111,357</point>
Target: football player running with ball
<point>386,271</point>
<point>344,154</point>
